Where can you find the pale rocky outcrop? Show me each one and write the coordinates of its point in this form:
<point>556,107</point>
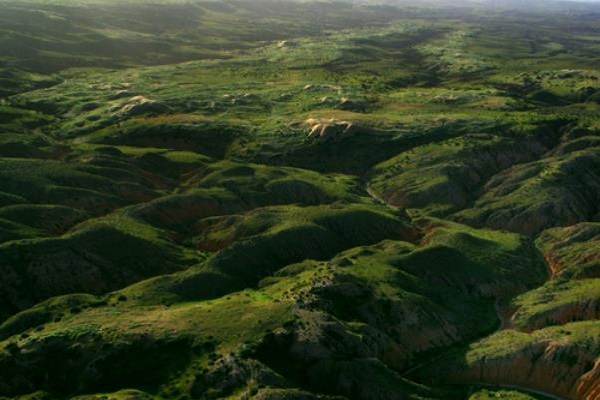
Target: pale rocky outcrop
<point>329,128</point>
<point>138,105</point>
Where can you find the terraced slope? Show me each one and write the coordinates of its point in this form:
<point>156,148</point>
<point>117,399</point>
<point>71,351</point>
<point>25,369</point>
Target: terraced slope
<point>299,200</point>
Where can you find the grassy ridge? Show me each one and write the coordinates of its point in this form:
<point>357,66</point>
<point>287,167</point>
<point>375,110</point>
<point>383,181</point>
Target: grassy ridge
<point>244,199</point>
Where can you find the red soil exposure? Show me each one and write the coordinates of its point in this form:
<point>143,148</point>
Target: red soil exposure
<point>556,367</point>
<point>554,266</point>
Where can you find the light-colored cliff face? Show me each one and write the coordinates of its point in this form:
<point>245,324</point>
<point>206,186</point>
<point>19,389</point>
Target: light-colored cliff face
<point>574,303</point>
<point>588,385</point>
<point>560,361</point>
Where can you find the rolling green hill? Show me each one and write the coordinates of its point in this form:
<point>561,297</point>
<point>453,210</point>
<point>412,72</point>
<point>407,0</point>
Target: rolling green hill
<point>299,200</point>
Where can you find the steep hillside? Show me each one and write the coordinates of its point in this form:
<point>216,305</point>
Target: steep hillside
<point>299,200</point>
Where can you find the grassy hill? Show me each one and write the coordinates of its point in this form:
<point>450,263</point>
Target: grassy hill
<point>299,200</point>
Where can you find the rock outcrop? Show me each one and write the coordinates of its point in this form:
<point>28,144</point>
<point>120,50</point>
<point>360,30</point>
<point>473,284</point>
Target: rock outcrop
<point>138,105</point>
<point>329,128</point>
